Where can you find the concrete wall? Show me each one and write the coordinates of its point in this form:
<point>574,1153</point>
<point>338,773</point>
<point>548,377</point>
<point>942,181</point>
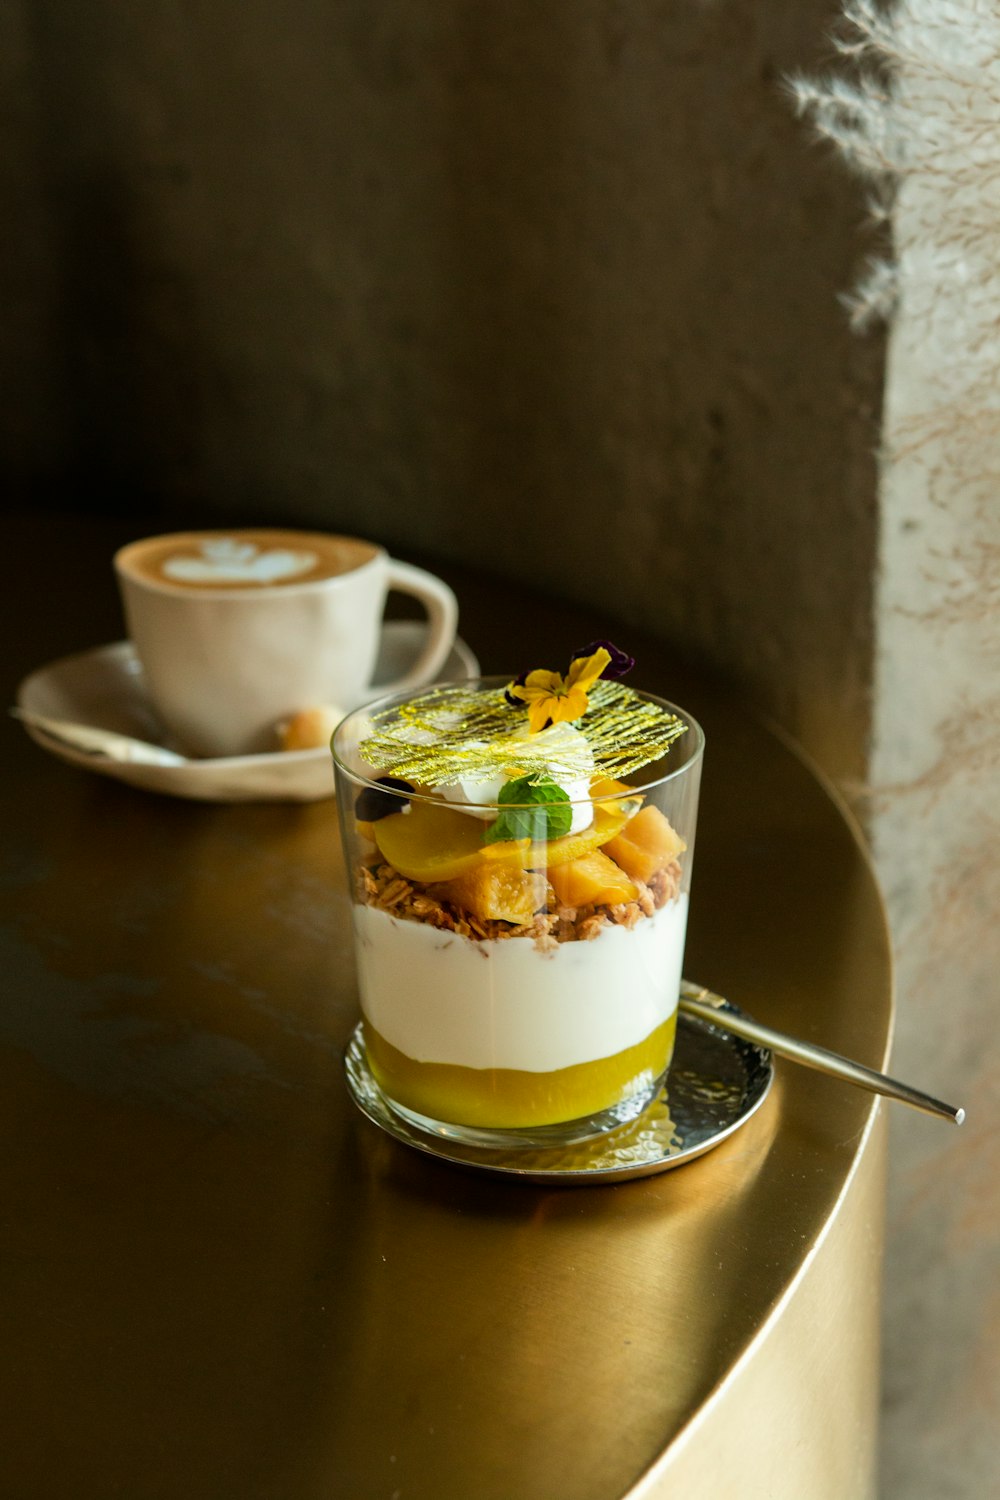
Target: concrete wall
<point>935,826</point>
<point>547,286</point>
<point>936,753</point>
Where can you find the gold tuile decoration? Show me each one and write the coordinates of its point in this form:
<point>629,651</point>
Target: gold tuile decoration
<point>451,732</point>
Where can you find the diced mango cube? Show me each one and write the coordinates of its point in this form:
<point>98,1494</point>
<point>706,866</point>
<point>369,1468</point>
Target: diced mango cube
<point>495,892</point>
<point>592,880</point>
<point>647,843</point>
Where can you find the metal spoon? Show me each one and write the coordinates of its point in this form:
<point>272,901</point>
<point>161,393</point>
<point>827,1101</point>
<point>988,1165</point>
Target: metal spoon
<point>718,1012</point>
<point>103,743</point>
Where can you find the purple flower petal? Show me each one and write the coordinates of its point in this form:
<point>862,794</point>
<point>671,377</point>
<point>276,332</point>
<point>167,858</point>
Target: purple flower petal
<point>620,662</point>
<point>508,695</point>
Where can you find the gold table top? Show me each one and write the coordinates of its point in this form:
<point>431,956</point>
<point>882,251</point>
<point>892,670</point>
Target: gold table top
<point>219,1280</point>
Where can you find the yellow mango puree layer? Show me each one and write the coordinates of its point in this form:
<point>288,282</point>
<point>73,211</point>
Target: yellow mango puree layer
<point>512,1098</point>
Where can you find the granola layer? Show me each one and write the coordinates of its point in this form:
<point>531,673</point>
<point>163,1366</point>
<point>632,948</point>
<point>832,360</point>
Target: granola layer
<point>381,886</point>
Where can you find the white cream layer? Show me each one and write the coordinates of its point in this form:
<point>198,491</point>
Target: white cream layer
<point>439,997</point>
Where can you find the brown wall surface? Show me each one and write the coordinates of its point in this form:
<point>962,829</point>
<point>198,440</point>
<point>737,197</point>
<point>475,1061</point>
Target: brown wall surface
<point>548,287</point>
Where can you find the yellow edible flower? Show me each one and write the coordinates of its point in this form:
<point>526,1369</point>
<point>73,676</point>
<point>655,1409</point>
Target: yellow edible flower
<point>554,699</point>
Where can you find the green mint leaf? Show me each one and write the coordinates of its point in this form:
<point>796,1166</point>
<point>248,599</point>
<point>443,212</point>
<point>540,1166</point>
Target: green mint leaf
<point>532,808</point>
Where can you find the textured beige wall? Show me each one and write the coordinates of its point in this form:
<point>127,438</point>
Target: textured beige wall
<point>935,762</point>
<point>551,287</point>
<point>934,825</point>
<point>936,814</point>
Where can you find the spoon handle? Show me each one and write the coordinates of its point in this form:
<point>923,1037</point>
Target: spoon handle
<point>699,1002</point>
<point>100,743</point>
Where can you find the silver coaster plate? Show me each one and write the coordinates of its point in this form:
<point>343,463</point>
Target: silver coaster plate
<point>716,1082</point>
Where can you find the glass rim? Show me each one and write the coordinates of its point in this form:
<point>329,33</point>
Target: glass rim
<point>376,705</point>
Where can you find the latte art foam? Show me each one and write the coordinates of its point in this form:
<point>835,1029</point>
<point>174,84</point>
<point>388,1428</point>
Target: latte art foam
<point>227,561</point>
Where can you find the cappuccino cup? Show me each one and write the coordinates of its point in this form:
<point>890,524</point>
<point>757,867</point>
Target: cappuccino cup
<point>237,630</point>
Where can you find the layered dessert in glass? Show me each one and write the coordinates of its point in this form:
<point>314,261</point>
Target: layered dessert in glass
<point>520,857</point>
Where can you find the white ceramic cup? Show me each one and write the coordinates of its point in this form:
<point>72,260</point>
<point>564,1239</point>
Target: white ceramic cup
<point>238,630</point>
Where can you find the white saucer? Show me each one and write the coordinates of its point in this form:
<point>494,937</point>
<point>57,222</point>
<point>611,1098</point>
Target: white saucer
<point>104,689</point>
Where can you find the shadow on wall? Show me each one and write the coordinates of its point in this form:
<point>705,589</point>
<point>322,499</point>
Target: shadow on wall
<point>509,256</point>
<point>130,354</point>
<point>124,352</point>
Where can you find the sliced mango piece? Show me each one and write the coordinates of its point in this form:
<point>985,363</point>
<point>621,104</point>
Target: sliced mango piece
<point>604,789</point>
<point>647,843</point>
<point>495,892</point>
<point>592,880</point>
<point>428,842</point>
<point>608,820</point>
<point>616,796</point>
<point>431,843</point>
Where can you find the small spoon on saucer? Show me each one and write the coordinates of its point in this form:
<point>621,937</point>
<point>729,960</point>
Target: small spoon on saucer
<point>100,743</point>
<point>699,1002</point>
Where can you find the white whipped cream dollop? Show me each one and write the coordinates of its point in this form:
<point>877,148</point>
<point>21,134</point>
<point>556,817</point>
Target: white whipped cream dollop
<point>548,751</point>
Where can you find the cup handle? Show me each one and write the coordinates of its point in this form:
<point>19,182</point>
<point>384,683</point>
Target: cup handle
<point>442,621</point>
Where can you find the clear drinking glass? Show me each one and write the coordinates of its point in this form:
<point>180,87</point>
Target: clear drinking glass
<point>518,988</point>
